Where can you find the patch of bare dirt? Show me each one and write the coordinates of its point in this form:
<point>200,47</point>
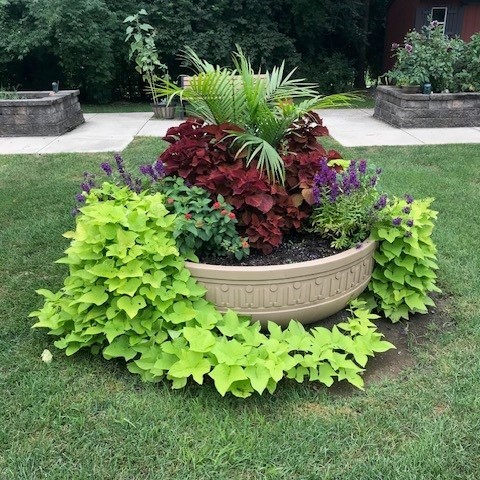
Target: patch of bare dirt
<point>405,335</point>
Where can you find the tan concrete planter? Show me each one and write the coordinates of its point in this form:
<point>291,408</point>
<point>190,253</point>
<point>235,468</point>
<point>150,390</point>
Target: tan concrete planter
<point>304,291</point>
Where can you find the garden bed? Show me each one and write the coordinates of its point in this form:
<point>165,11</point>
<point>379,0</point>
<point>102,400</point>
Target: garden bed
<point>405,110</point>
<point>40,114</point>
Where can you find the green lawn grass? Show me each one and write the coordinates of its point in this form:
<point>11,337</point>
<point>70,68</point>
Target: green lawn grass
<point>83,417</point>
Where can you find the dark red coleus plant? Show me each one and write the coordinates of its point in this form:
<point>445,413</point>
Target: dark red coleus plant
<point>203,155</point>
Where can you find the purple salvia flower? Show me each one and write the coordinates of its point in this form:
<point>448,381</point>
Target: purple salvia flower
<point>410,223</point>
<point>80,198</point>
<point>107,168</point>
<point>159,167</point>
<point>75,211</point>
<point>148,171</point>
<point>373,181</point>
<point>406,210</point>
<point>362,166</point>
<point>334,192</point>
<point>120,163</point>
<point>396,221</point>
<point>316,193</point>
<point>408,199</point>
<point>85,187</point>
<point>381,202</point>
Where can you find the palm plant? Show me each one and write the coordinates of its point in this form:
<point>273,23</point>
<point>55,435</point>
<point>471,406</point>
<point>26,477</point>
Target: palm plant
<point>261,105</point>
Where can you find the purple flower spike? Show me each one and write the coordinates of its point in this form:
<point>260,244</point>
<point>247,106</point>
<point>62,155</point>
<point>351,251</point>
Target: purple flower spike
<point>408,199</point>
<point>120,163</point>
<point>396,221</point>
<point>406,210</point>
<point>159,167</point>
<point>410,223</point>
<point>85,187</point>
<point>373,180</point>
<point>381,202</point>
<point>107,168</point>
<point>362,167</point>
<point>147,170</point>
<point>80,198</point>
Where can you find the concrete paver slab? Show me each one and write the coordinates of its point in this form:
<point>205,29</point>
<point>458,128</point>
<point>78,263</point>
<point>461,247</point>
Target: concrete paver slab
<point>157,128</point>
<point>357,127</point>
<point>442,136</point>
<point>87,144</point>
<point>111,125</point>
<point>14,145</point>
<point>112,132</point>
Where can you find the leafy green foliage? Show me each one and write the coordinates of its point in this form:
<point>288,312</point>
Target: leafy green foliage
<point>404,274</point>
<point>141,37</point>
<point>430,56</point>
<point>129,295</point>
<point>203,226</point>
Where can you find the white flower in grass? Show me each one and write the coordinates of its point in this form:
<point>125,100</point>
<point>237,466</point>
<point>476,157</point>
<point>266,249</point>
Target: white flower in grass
<point>47,356</point>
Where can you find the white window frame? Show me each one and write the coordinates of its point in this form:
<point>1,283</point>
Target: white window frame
<point>444,18</point>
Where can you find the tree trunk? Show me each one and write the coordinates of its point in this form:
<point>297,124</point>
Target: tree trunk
<point>362,49</point>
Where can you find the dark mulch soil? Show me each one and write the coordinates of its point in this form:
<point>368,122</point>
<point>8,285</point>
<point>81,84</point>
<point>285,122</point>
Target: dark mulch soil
<point>407,336</point>
<point>296,247</point>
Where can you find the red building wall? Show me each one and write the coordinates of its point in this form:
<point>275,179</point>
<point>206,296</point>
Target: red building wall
<point>405,15</point>
<point>400,19</point>
<point>471,21</point>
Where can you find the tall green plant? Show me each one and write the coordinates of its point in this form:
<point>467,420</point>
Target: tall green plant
<point>260,104</point>
<point>406,260</point>
<point>141,36</point>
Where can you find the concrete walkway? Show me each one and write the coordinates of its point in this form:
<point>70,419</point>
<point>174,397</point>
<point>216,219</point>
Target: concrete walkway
<point>112,132</point>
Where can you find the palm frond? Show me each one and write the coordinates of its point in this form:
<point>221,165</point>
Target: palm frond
<point>267,157</point>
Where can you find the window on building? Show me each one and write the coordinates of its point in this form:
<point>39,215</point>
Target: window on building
<point>439,14</point>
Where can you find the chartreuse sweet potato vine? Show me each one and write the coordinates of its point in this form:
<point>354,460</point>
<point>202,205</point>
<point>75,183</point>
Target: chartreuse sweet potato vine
<point>404,274</point>
<point>128,294</point>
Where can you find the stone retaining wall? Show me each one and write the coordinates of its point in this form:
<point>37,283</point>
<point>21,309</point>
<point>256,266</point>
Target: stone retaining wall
<point>415,110</point>
<point>40,114</point>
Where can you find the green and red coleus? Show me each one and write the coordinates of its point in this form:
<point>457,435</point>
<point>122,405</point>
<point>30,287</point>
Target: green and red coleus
<point>203,155</point>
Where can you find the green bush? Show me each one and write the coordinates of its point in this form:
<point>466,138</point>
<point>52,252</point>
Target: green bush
<point>404,274</point>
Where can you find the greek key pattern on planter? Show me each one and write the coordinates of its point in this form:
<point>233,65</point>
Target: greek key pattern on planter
<point>282,293</point>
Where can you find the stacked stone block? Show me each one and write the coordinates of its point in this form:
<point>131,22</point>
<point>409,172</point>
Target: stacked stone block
<point>40,114</point>
<point>407,110</point>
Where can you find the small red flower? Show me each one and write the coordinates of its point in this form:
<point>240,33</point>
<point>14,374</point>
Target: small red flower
<point>188,216</point>
<point>245,244</point>
<point>231,215</point>
<point>223,212</point>
<point>216,205</point>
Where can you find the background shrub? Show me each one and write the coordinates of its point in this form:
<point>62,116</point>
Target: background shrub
<point>81,42</point>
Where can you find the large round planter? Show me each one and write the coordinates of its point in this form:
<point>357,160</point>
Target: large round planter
<point>304,291</point>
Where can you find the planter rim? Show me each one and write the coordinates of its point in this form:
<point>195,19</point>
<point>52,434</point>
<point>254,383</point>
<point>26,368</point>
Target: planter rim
<point>290,268</point>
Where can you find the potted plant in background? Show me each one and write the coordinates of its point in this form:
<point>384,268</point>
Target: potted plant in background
<point>141,36</point>
<point>428,56</point>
